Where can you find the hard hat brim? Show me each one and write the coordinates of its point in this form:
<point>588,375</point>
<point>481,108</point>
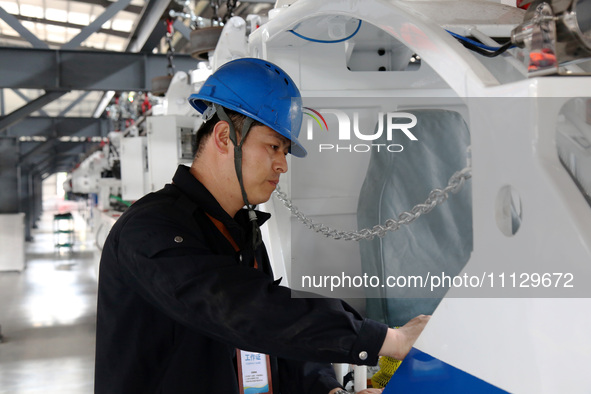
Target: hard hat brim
<point>200,104</point>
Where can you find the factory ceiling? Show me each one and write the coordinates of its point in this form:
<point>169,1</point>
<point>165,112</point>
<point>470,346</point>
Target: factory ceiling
<point>62,62</point>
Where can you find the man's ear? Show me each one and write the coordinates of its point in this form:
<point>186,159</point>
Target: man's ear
<point>221,136</point>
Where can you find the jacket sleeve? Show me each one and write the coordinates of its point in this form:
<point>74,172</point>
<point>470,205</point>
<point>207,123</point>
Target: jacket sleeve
<point>172,267</point>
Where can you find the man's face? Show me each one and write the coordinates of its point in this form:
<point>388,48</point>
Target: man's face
<point>263,161</point>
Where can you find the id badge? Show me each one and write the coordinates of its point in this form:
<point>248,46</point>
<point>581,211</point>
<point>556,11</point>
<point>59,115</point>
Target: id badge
<point>254,373</point>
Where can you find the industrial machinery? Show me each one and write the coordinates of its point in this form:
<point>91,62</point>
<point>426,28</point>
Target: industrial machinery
<point>448,173</point>
<point>507,295</point>
<point>141,157</point>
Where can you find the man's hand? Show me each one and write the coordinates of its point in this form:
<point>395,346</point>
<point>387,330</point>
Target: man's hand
<point>399,341</point>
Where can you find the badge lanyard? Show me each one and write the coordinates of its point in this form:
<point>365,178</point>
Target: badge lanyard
<point>254,369</point>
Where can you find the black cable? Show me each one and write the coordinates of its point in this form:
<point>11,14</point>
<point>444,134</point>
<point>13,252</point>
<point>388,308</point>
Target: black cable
<point>484,52</point>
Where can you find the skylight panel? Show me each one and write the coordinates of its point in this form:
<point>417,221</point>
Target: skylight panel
<point>122,25</point>
<point>10,7</point>
<point>78,18</point>
<point>84,8</point>
<point>97,40</point>
<point>55,29</point>
<point>33,11</point>
<point>30,26</point>
<point>54,14</point>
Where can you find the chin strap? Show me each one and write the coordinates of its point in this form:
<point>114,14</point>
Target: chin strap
<point>257,238</point>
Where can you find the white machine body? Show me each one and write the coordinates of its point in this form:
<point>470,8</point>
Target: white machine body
<point>515,319</point>
<point>519,335</point>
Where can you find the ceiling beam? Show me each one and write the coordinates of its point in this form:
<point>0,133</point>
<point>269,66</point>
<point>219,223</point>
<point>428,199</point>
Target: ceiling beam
<point>111,32</point>
<point>71,151</point>
<point>22,112</point>
<point>66,153</point>
<point>95,25</point>
<point>36,152</point>
<point>46,171</point>
<point>135,9</point>
<point>148,26</point>
<point>73,104</point>
<point>153,40</point>
<point>20,29</point>
<point>7,40</point>
<point>62,70</point>
<point>144,38</point>
<point>26,99</point>
<point>37,169</point>
<point>60,127</point>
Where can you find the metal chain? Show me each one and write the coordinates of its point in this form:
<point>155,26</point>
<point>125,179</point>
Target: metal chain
<point>230,5</point>
<point>170,51</point>
<point>436,197</point>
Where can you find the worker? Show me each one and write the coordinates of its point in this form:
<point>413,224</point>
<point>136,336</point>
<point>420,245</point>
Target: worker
<point>185,283</point>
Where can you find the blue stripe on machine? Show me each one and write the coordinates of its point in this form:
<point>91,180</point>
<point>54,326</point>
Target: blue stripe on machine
<point>422,373</point>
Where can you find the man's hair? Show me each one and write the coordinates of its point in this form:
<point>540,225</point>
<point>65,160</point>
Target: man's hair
<point>207,128</point>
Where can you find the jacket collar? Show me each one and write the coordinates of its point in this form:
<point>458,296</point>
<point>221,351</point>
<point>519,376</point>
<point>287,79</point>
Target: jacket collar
<point>198,193</point>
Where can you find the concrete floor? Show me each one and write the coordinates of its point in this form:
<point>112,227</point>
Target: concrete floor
<point>47,316</point>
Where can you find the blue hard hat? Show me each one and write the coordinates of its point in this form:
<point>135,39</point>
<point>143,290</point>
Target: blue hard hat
<point>260,90</point>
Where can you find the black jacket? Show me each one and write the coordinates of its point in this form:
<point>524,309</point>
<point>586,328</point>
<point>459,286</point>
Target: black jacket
<point>175,300</point>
